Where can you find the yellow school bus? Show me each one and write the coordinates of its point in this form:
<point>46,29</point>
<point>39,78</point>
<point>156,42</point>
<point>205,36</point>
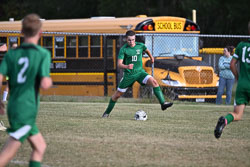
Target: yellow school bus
<point>84,55</point>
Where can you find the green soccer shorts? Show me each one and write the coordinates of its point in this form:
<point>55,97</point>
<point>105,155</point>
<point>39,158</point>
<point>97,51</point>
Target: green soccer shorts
<point>129,79</point>
<point>242,96</point>
<point>22,132</point>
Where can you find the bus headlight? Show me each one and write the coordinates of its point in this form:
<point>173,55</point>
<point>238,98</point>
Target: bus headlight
<point>171,82</point>
<point>217,84</point>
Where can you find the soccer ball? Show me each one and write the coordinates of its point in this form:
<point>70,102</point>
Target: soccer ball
<point>141,115</point>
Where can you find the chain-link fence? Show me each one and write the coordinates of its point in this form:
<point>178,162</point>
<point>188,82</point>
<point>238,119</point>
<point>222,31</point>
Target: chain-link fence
<point>186,65</point>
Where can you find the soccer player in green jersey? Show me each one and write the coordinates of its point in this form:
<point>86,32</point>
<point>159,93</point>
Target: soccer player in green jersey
<point>28,68</point>
<point>6,89</point>
<point>242,54</point>
<point>3,48</point>
<point>130,60</point>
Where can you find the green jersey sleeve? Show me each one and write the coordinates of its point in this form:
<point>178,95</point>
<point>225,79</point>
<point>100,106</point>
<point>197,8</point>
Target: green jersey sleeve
<point>45,65</point>
<point>144,47</point>
<point>237,53</point>
<point>121,53</point>
<point>4,65</point>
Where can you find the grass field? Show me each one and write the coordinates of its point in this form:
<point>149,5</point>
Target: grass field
<point>77,136</point>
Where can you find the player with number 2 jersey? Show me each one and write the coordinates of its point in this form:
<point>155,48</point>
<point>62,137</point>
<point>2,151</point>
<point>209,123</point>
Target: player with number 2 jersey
<point>32,63</point>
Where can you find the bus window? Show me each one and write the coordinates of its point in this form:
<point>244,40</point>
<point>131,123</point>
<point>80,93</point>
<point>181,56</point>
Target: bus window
<point>83,46</point>
<point>12,40</point>
<point>110,47</point>
<point>3,40</point>
<point>95,46</point>
<point>47,43</point>
<point>39,42</point>
<point>21,40</point>
<point>71,46</point>
<point>166,45</point>
<point>59,46</point>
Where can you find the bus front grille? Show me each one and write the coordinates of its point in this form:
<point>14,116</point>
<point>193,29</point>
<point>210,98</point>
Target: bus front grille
<point>198,77</point>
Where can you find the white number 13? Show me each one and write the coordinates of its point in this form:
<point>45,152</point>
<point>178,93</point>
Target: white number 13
<point>20,77</point>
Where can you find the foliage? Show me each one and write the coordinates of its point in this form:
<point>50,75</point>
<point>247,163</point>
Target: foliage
<point>213,16</point>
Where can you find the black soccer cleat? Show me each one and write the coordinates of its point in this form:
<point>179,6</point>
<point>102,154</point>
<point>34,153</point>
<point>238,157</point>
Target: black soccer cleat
<point>105,115</point>
<point>219,127</point>
<point>165,105</point>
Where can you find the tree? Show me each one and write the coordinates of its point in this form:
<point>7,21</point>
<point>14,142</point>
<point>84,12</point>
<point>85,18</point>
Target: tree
<point>213,16</point>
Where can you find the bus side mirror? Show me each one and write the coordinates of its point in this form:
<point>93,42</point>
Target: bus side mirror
<point>179,57</point>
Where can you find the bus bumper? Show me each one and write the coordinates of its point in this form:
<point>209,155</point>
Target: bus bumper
<point>207,94</point>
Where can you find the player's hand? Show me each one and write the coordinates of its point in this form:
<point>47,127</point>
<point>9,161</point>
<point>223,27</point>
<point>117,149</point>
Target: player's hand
<point>236,78</point>
<point>152,60</point>
<point>3,48</point>
<point>130,66</point>
<point>2,108</point>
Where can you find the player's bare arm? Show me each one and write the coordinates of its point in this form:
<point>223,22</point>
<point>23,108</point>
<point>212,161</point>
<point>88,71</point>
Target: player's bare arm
<point>123,66</point>
<point>46,83</point>
<point>2,108</point>
<point>150,55</point>
<point>234,68</point>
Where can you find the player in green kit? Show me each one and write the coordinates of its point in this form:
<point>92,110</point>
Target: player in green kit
<point>130,60</point>
<point>3,48</point>
<point>242,54</point>
<point>28,68</point>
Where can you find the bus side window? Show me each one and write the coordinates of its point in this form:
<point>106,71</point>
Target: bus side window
<point>71,46</point>
<point>12,40</point>
<point>22,40</point>
<point>47,43</point>
<point>59,46</point>
<point>95,46</point>
<point>83,46</point>
<point>110,47</point>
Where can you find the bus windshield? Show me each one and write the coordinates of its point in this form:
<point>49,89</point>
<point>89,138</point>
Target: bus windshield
<point>168,46</point>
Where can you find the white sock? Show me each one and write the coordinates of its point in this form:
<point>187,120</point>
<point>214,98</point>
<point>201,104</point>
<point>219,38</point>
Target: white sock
<point>5,94</point>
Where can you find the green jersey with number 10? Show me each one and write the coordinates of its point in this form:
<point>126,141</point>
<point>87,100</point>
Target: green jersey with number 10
<point>25,66</point>
<point>132,55</point>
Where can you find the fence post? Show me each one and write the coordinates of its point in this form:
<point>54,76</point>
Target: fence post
<point>105,65</point>
<point>153,65</point>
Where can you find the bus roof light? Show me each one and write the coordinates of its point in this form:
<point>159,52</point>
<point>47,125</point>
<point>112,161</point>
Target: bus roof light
<point>150,27</point>
<point>188,28</point>
<point>145,27</point>
<point>193,28</point>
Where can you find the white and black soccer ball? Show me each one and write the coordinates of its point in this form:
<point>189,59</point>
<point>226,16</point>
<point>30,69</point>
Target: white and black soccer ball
<point>141,115</point>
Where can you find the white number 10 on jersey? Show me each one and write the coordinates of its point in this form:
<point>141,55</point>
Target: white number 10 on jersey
<point>134,58</point>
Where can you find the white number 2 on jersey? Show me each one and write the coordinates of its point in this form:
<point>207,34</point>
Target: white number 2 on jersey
<point>20,77</point>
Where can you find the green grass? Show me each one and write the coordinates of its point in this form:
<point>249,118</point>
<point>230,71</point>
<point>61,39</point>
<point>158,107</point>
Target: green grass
<point>77,136</point>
